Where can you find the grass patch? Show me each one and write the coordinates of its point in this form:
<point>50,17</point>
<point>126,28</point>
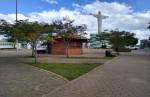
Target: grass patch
<point>90,57</point>
<point>69,71</point>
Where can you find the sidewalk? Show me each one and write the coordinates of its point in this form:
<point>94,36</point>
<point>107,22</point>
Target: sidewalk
<point>21,80</point>
<point>126,76</point>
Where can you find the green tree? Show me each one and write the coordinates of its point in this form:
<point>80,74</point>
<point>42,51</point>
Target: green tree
<point>3,24</point>
<point>120,39</point>
<point>67,31</point>
<point>26,31</point>
<point>117,40</point>
<point>34,32</point>
<point>130,39</point>
<point>11,31</point>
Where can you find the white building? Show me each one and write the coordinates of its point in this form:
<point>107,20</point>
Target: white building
<point>4,44</point>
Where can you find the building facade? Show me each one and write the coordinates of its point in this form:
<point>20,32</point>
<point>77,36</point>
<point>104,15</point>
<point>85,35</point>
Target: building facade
<point>94,43</point>
<point>11,45</point>
<point>6,45</point>
<point>145,43</point>
<point>59,47</point>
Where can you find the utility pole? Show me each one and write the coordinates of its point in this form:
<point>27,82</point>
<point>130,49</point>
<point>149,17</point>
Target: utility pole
<point>16,23</point>
<point>16,11</point>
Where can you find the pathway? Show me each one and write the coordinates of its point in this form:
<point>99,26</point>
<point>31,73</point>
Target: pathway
<point>20,80</point>
<point>126,76</point>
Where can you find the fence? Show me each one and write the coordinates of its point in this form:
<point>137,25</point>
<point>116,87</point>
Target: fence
<point>6,45</point>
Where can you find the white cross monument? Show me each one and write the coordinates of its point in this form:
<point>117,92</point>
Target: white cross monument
<point>99,17</point>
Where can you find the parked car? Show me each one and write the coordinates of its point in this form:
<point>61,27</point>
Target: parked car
<point>133,47</point>
<point>41,49</point>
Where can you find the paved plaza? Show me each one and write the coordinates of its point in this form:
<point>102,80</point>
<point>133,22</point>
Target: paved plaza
<point>126,76</point>
<point>21,80</point>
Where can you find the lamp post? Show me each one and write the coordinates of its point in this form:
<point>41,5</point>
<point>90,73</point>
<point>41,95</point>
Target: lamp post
<point>16,11</point>
<point>16,23</point>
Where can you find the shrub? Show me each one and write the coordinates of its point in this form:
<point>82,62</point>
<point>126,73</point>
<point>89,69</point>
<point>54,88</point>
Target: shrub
<point>124,50</point>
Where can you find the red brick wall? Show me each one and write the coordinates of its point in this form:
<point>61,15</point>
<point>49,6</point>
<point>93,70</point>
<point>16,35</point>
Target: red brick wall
<point>74,51</point>
<point>75,48</point>
<point>58,48</point>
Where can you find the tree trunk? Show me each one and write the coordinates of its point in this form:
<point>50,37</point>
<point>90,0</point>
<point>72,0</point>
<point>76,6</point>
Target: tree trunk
<point>117,50</point>
<point>33,47</point>
<point>35,51</point>
<point>16,43</point>
<point>66,48</point>
<point>67,54</point>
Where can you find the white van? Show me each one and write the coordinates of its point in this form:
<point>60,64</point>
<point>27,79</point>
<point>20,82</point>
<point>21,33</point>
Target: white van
<point>41,48</point>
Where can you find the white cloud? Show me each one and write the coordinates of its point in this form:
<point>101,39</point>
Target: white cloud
<point>75,5</point>
<point>121,16</point>
<point>51,1</point>
<point>11,17</point>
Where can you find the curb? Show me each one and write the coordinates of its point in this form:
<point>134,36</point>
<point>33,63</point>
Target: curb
<point>113,59</point>
<point>56,75</point>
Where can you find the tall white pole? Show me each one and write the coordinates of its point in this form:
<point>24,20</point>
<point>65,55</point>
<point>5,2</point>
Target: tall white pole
<point>16,11</point>
<point>16,23</point>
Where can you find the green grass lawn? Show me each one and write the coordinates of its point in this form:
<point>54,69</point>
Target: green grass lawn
<point>69,71</point>
<point>91,58</point>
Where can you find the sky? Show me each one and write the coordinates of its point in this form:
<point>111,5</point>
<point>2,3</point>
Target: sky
<point>129,15</point>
